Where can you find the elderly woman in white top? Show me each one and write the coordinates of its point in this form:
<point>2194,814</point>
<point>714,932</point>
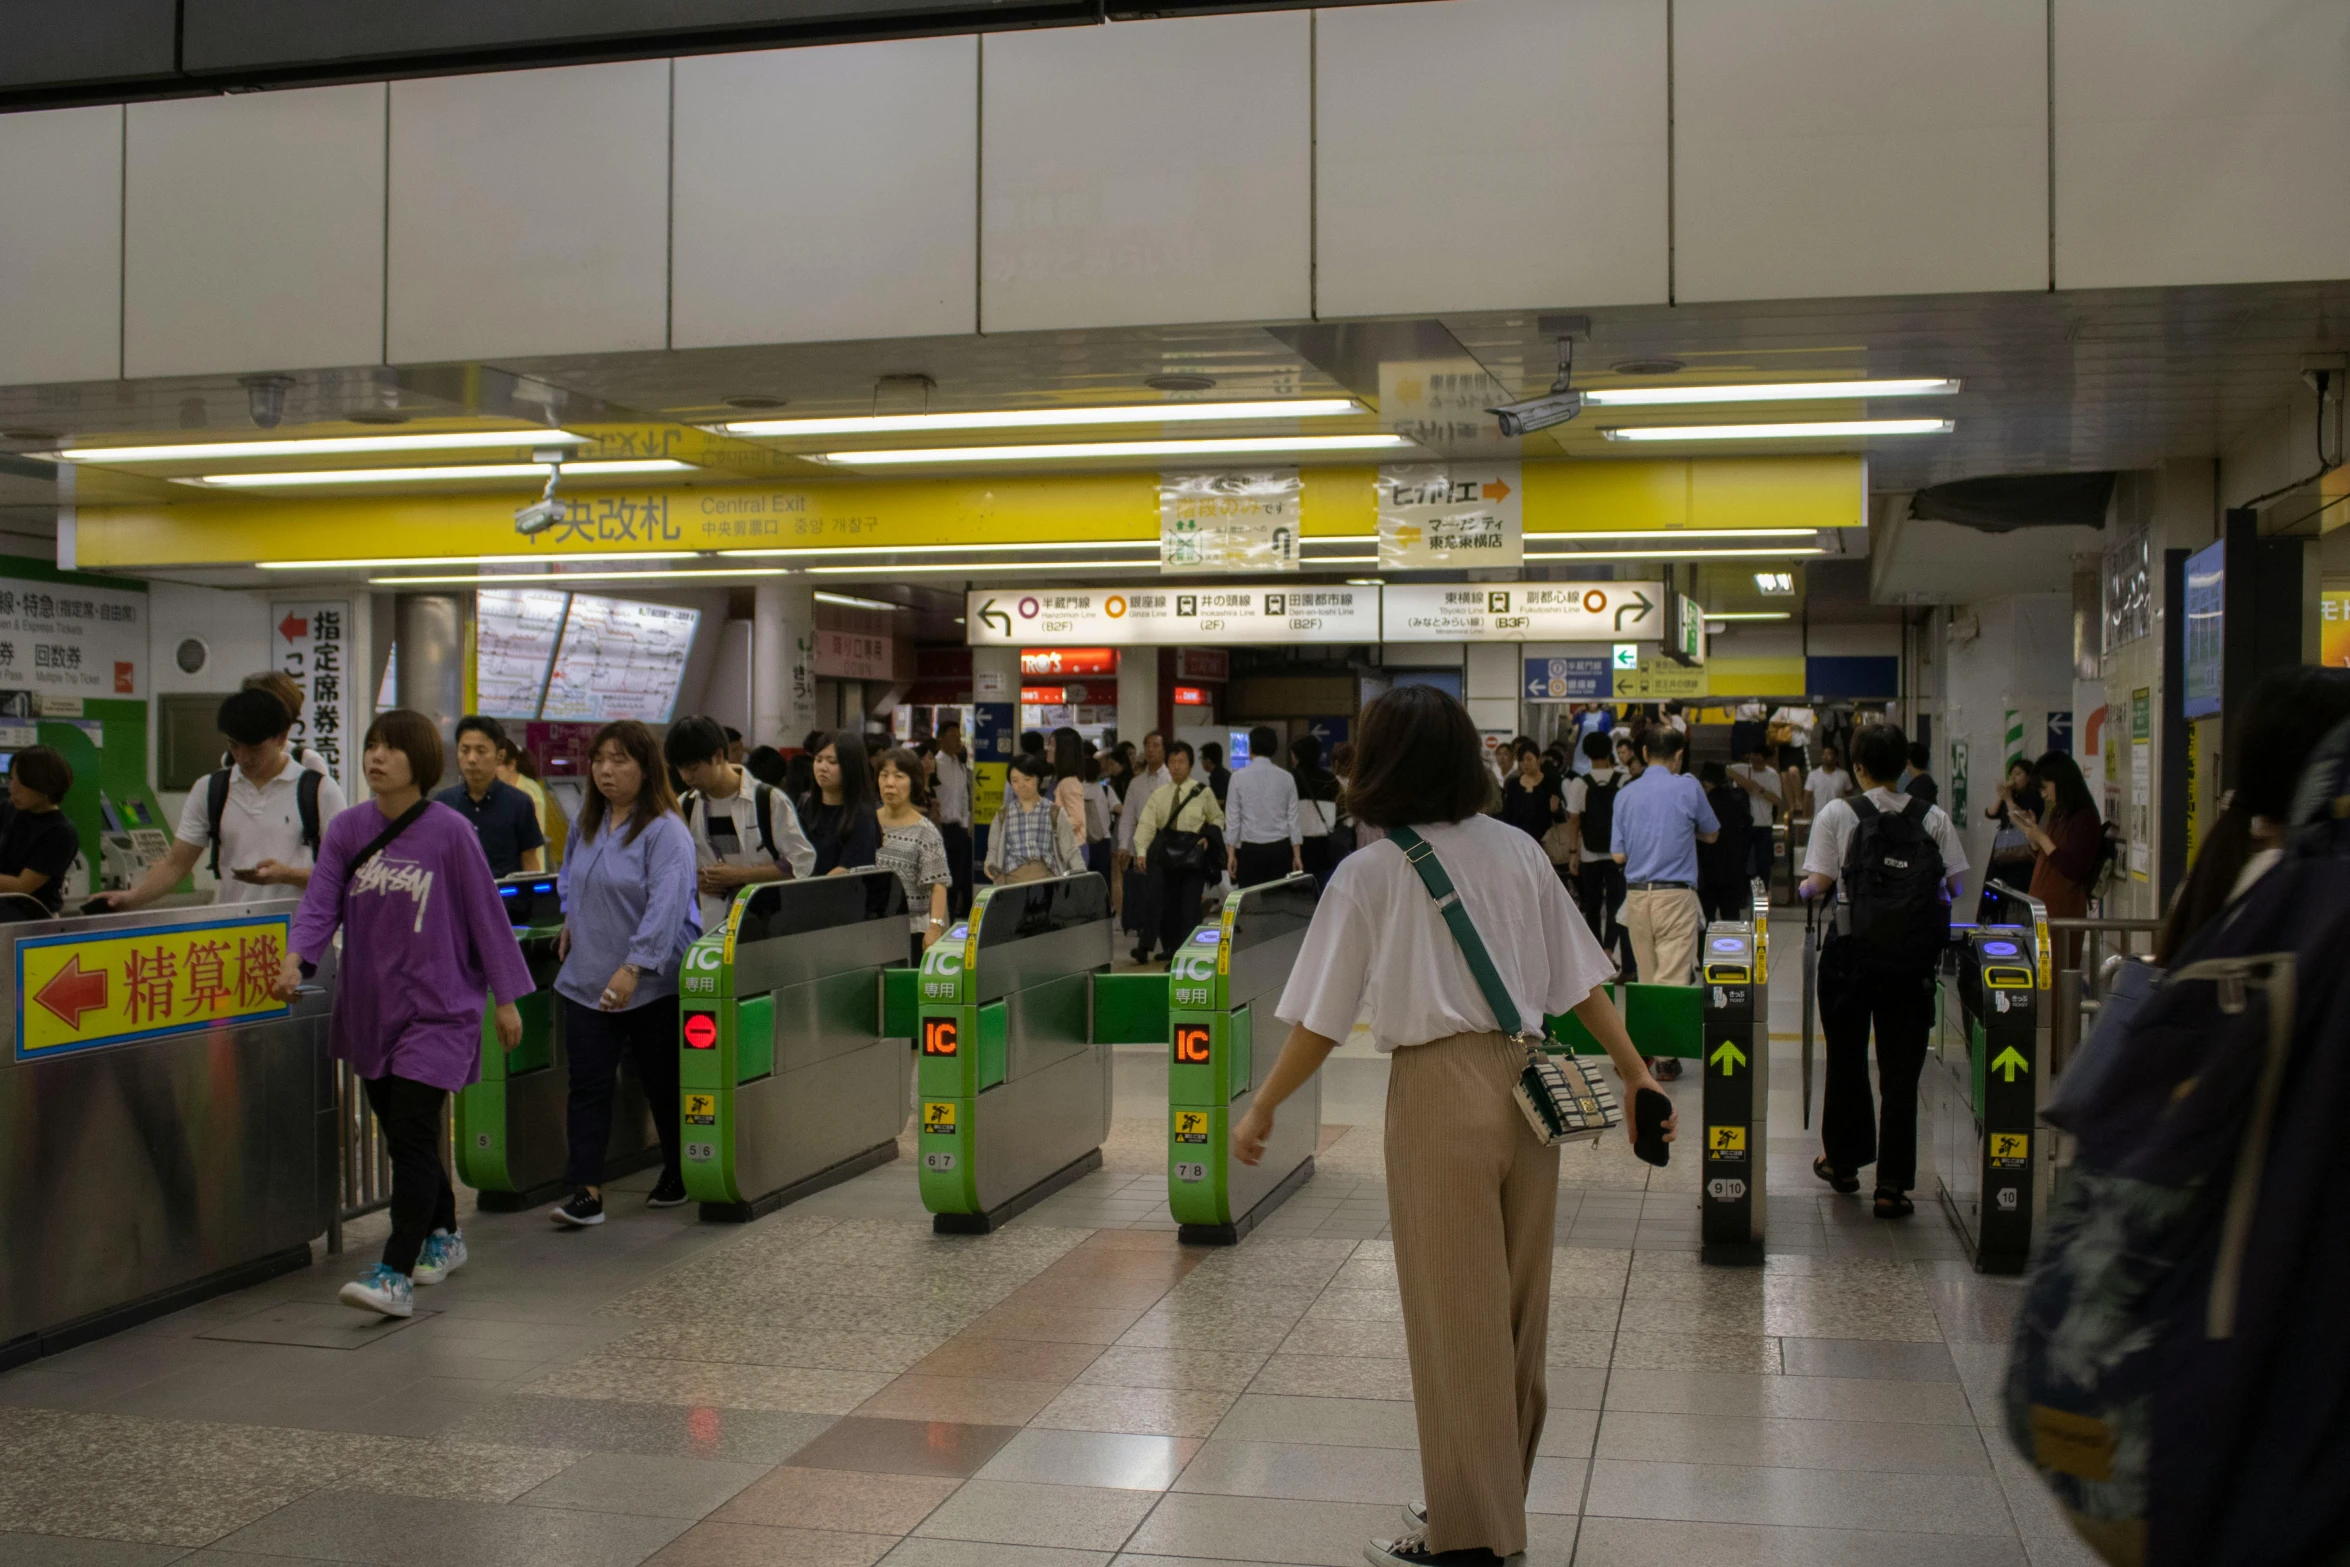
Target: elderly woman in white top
<point>1471,1191</point>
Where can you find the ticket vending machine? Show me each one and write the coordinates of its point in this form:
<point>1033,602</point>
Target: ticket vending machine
<point>511,1134</point>
<point>788,1078</point>
<point>1014,1085</point>
<point>1979,1094</point>
<point>1735,1063</point>
<point>1222,1041</point>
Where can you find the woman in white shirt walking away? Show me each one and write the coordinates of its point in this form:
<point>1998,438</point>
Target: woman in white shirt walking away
<point>1471,1192</point>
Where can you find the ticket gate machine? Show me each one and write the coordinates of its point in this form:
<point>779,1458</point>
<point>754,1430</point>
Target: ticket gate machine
<point>1735,1066</point>
<point>787,1080</point>
<point>1223,1040</point>
<point>1980,1092</point>
<point>511,1133</point>
<point>1014,1086</point>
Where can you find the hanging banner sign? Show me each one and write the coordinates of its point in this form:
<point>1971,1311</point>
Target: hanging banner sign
<point>1522,612</point>
<point>1450,516</point>
<point>1232,521</point>
<point>1576,678</point>
<point>310,643</point>
<point>63,639</point>
<point>1170,617</point>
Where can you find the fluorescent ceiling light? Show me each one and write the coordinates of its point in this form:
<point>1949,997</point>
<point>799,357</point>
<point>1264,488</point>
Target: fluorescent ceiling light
<point>1747,614</point>
<point>480,470</point>
<point>951,549</point>
<point>966,568</point>
<point>1776,392</point>
<point>1661,535</point>
<point>846,600</point>
<point>1051,418</point>
<point>1823,429</point>
<point>1365,582</point>
<point>1240,446</point>
<point>1775,583</point>
<point>331,446</point>
<point>1756,554</point>
<point>366,562</point>
<point>563,579</point>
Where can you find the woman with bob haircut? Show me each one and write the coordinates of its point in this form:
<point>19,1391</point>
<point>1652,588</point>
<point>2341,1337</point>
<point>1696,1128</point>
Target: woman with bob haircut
<point>425,938</point>
<point>1471,1191</point>
<point>629,913</point>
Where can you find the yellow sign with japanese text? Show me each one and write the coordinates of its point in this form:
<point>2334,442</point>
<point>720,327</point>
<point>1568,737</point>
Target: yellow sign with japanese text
<point>81,991</point>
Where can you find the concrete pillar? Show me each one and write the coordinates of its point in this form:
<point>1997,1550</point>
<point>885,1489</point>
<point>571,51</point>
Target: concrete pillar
<point>431,679</point>
<point>1138,693</point>
<point>783,662</point>
<point>1490,685</point>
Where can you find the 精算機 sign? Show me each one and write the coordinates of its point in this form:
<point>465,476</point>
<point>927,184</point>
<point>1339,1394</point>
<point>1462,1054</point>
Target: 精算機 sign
<point>81,991</point>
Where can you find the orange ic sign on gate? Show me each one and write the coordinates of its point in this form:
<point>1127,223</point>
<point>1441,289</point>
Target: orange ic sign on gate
<point>938,1036</point>
<point>1191,1044</point>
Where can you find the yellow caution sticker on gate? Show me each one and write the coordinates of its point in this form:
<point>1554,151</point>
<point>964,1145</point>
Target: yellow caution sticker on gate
<point>1725,1142</point>
<point>2010,1150</point>
<point>1191,1126</point>
<point>701,1109</point>
<point>938,1115</point>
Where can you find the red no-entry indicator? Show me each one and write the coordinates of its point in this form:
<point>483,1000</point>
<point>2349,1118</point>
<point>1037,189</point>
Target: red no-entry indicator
<point>701,1030</point>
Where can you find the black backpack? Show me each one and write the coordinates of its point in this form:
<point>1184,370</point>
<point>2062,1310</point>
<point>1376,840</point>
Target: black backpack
<point>1599,812</point>
<point>305,801</point>
<point>1893,888</point>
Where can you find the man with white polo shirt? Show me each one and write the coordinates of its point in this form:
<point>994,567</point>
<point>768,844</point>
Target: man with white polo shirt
<point>262,818</point>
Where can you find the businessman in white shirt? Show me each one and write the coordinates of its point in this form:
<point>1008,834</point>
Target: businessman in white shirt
<point>953,797</point>
<point>1260,816</point>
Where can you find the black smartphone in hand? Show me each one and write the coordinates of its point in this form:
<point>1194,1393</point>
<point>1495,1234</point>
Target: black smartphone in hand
<point>1650,1111</point>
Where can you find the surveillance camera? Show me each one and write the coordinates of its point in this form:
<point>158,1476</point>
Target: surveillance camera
<point>1555,406</point>
<point>538,517</point>
<point>266,398</point>
<point>1538,413</point>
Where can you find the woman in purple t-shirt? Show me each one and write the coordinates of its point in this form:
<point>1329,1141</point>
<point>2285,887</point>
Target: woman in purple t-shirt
<point>424,939</point>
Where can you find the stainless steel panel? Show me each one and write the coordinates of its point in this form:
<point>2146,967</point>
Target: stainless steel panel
<point>1031,1127</point>
<point>133,1169</point>
<point>823,1018</point>
<point>1046,1023</point>
<point>1296,1131</point>
<point>796,959</point>
<point>796,1123</point>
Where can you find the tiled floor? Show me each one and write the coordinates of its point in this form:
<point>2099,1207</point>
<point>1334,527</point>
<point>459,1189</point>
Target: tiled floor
<point>836,1386</point>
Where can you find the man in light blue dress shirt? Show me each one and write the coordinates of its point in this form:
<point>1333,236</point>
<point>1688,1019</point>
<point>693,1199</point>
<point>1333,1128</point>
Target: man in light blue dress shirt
<point>1660,819</point>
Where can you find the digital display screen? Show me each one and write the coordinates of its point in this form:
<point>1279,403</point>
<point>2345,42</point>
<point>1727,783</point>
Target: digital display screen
<point>2207,581</point>
<point>619,659</point>
<point>515,634</point>
<point>1191,1044</point>
<point>938,1036</point>
<point>2000,949</point>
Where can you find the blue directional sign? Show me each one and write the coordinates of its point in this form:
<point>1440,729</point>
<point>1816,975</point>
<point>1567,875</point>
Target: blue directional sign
<point>1580,679</point>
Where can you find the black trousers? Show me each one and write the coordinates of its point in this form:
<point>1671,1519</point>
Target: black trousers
<point>957,838</point>
<point>1600,892</point>
<point>1853,1130</point>
<point>596,1040</point>
<point>1261,862</point>
<point>409,1115</point>
<point>1319,861</point>
<point>1141,910</point>
<point>1178,894</point>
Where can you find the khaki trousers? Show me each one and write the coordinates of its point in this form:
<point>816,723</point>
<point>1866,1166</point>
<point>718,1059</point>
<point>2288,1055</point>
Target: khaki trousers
<point>1664,924</point>
<point>1472,1197</point>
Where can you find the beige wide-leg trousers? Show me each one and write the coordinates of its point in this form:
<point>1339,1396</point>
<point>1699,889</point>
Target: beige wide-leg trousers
<point>1472,1197</point>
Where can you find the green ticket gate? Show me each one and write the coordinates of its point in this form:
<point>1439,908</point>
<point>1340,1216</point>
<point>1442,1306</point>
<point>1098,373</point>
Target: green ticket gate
<point>1979,1093</point>
<point>788,1078</point>
<point>1736,1074</point>
<point>1223,1040</point>
<point>1014,1087</point>
<point>511,1138</point>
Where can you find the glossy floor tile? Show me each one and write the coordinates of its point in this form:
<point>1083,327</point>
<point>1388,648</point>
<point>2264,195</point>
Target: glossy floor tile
<point>836,1385</point>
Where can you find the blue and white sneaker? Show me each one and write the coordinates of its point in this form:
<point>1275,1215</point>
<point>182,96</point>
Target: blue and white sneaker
<point>443,1254</point>
<point>385,1290</point>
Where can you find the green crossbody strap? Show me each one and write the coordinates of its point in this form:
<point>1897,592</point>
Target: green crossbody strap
<point>1422,856</point>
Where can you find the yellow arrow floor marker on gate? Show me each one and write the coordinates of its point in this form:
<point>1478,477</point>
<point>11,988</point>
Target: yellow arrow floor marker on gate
<point>1728,1057</point>
<point>2009,1062</point>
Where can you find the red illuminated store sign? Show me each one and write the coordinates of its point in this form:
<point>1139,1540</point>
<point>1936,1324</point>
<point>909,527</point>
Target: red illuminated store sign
<point>1190,696</point>
<point>1069,661</point>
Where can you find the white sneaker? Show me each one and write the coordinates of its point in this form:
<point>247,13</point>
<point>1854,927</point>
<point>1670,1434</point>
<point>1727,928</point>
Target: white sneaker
<point>384,1290</point>
<point>444,1253</point>
<point>1415,1516</point>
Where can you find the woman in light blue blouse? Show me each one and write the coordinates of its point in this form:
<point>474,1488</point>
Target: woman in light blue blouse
<point>629,912</point>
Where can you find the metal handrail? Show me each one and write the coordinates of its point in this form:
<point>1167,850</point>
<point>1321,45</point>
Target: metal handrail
<point>363,1164</point>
